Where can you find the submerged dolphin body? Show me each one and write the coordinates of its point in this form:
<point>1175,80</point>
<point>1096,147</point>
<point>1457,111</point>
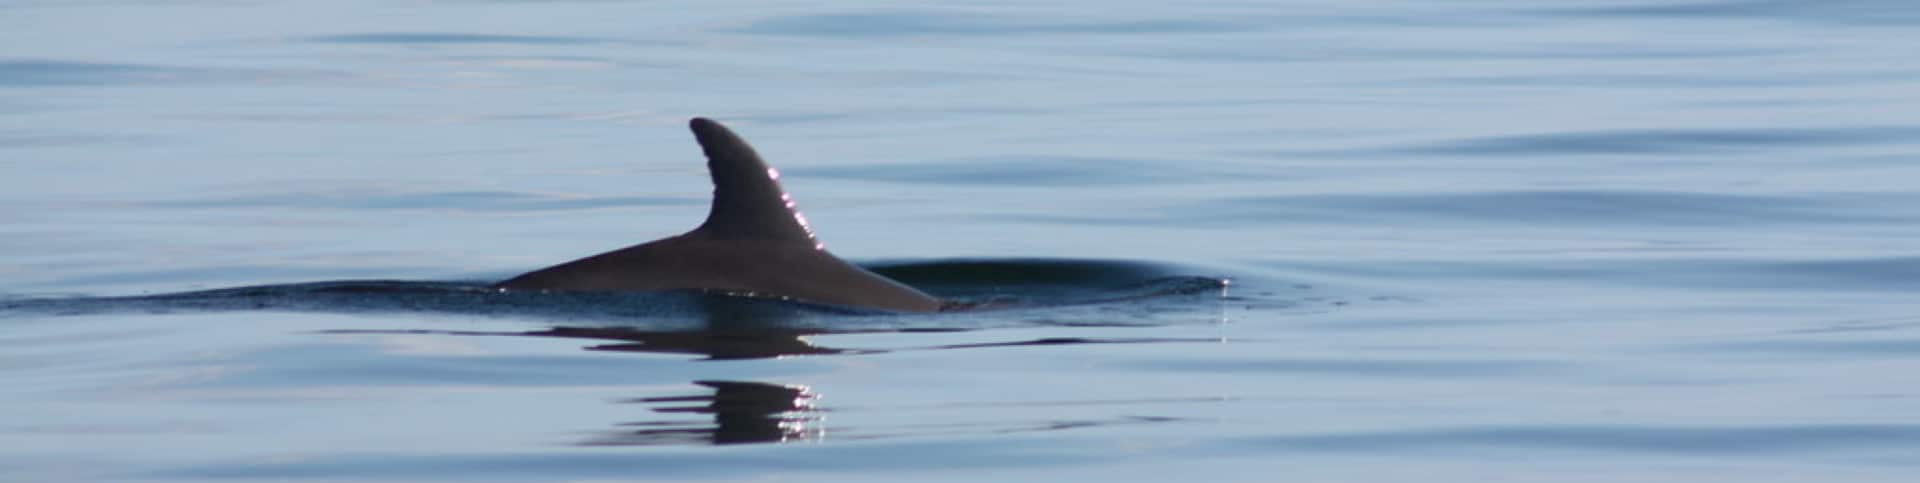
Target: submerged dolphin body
<point>753,243</point>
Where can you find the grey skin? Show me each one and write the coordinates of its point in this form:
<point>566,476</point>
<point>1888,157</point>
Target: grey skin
<point>754,243</point>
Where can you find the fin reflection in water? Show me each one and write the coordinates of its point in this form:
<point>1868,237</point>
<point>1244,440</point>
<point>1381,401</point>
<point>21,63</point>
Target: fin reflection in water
<point>743,412</point>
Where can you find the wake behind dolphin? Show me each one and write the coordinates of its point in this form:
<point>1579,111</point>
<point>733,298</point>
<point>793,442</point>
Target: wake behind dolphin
<point>754,243</point>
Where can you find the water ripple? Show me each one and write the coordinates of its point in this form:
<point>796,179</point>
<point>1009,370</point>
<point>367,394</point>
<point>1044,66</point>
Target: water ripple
<point>1346,366</point>
<point>1667,440</point>
<point>936,23</point>
<point>1831,11</point>
<point>66,73</point>
<point>1022,171</point>
<point>473,201</point>
<point>429,38</point>
<point>1668,141</point>
<point>1873,274</point>
<point>1842,349</point>
<point>918,456</point>
<point>1566,208</point>
<point>14,139</point>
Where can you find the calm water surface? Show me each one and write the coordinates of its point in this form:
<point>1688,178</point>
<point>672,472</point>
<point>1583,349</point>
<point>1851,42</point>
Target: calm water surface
<point>1559,241</point>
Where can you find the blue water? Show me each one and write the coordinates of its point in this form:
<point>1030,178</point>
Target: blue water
<point>1597,240</point>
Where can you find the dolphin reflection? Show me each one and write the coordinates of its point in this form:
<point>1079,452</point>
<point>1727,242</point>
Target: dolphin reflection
<point>743,412</point>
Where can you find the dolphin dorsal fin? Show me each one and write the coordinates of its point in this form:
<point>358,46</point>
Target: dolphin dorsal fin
<point>747,200</point>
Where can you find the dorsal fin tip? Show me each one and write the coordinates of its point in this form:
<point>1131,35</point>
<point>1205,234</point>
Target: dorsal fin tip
<point>747,199</point>
<point>700,123</point>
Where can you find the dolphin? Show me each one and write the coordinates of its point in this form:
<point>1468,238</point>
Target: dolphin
<point>754,243</point>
